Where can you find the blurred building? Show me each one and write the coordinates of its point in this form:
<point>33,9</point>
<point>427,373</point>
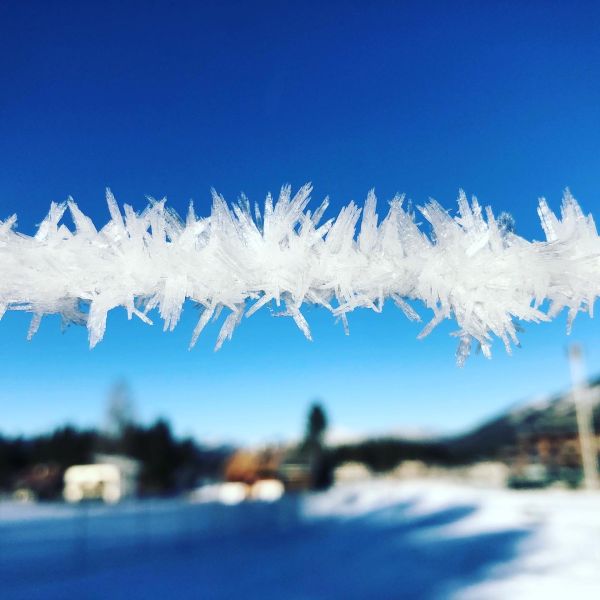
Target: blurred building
<point>351,472</point>
<point>250,466</point>
<point>43,481</point>
<point>298,468</point>
<point>110,479</point>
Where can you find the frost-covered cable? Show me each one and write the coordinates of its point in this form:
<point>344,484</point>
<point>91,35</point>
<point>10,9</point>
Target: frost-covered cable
<point>472,268</point>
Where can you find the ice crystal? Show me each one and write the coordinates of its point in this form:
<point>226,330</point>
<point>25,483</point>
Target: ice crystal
<point>472,267</point>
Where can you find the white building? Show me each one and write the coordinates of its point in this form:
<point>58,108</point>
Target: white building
<point>110,479</point>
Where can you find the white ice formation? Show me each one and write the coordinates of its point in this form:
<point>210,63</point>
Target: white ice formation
<point>471,268</point>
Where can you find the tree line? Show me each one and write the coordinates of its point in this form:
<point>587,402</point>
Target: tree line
<point>167,464</point>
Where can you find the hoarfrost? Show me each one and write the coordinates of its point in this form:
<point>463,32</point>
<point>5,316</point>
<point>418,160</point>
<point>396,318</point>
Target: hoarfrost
<point>472,267</point>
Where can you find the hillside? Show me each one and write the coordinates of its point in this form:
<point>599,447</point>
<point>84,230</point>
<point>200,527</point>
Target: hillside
<point>487,441</point>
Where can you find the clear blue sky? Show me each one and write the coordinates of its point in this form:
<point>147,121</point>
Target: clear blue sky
<point>171,98</point>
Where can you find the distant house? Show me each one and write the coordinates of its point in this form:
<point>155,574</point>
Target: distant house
<point>350,472</point>
<point>297,468</point>
<point>306,467</point>
<point>296,474</point>
<point>250,466</point>
<point>110,479</point>
<point>40,482</point>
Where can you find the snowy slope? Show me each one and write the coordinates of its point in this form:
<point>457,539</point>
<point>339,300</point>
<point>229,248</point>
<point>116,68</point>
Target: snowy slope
<point>377,539</point>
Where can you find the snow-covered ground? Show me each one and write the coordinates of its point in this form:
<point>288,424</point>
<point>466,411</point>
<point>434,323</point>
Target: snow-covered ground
<point>377,539</point>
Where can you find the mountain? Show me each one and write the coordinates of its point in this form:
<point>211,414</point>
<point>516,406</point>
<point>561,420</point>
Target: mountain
<point>488,441</point>
<point>555,415</point>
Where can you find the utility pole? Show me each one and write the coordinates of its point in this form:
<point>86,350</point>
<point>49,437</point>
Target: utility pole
<point>583,411</point>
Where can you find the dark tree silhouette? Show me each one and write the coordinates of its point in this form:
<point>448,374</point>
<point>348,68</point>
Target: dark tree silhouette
<point>317,423</point>
<point>314,447</point>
